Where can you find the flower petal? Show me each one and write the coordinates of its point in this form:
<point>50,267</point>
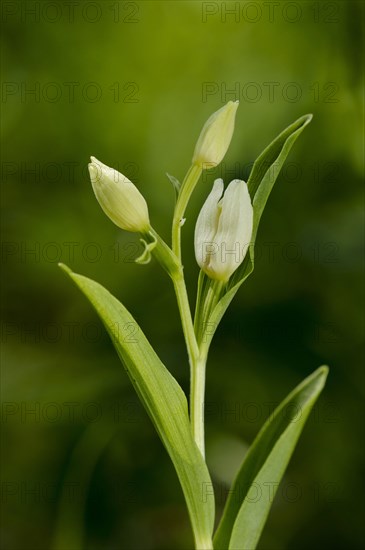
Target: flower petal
<point>207,224</point>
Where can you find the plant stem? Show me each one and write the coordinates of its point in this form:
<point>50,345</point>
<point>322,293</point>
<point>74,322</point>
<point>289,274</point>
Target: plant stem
<point>204,544</point>
<point>173,266</point>
<point>198,372</point>
<point>197,402</point>
<point>186,190</point>
<point>198,354</point>
<point>186,319</point>
<point>197,364</point>
<point>171,261</point>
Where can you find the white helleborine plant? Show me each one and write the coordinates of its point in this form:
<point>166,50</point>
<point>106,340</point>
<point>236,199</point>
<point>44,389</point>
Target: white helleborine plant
<point>215,136</point>
<point>223,229</point>
<point>119,198</point>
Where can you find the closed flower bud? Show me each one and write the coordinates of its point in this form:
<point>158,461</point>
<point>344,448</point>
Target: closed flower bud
<point>223,230</point>
<point>119,198</point>
<point>215,136</point>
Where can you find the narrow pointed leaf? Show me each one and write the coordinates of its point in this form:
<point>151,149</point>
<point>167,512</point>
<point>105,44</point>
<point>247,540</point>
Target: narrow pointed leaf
<point>175,184</point>
<point>260,183</point>
<point>267,166</point>
<point>163,399</point>
<point>263,467</point>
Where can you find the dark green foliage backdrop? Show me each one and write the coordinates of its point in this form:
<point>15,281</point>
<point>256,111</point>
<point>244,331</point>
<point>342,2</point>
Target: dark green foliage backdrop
<point>132,83</point>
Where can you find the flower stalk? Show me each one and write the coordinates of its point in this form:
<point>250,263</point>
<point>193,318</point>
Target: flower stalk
<point>187,188</point>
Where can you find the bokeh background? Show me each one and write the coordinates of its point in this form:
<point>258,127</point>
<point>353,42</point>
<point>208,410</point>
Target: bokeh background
<point>132,83</point>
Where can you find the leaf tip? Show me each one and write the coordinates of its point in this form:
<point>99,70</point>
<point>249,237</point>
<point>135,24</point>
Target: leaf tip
<point>321,375</point>
<point>65,268</point>
<point>324,370</point>
<point>308,118</point>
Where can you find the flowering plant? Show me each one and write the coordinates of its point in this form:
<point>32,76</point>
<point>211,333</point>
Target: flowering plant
<point>225,236</point>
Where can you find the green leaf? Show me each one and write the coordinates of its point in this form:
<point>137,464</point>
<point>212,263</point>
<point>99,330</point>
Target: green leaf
<point>175,184</point>
<point>260,183</point>
<point>162,398</point>
<point>200,315</point>
<point>268,165</point>
<point>263,467</point>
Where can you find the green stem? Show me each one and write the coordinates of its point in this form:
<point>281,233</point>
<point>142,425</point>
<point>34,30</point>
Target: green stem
<point>197,352</point>
<point>173,266</point>
<point>197,364</point>
<point>205,544</point>
<point>186,190</point>
<point>197,397</point>
<point>197,392</point>
<point>163,254</point>
<point>186,319</point>
<point>171,261</point>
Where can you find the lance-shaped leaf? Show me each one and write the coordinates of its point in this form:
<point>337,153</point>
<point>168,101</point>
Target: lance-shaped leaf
<point>263,467</point>
<point>260,183</point>
<point>163,399</point>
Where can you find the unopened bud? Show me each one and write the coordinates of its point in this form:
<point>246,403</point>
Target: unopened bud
<point>215,136</point>
<point>119,198</point>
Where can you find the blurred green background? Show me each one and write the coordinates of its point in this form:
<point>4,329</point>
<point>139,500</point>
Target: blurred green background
<point>132,83</point>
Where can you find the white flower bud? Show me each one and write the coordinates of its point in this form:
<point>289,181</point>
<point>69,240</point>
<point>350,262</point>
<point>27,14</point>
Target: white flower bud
<point>119,198</point>
<point>223,229</point>
<point>215,136</point>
